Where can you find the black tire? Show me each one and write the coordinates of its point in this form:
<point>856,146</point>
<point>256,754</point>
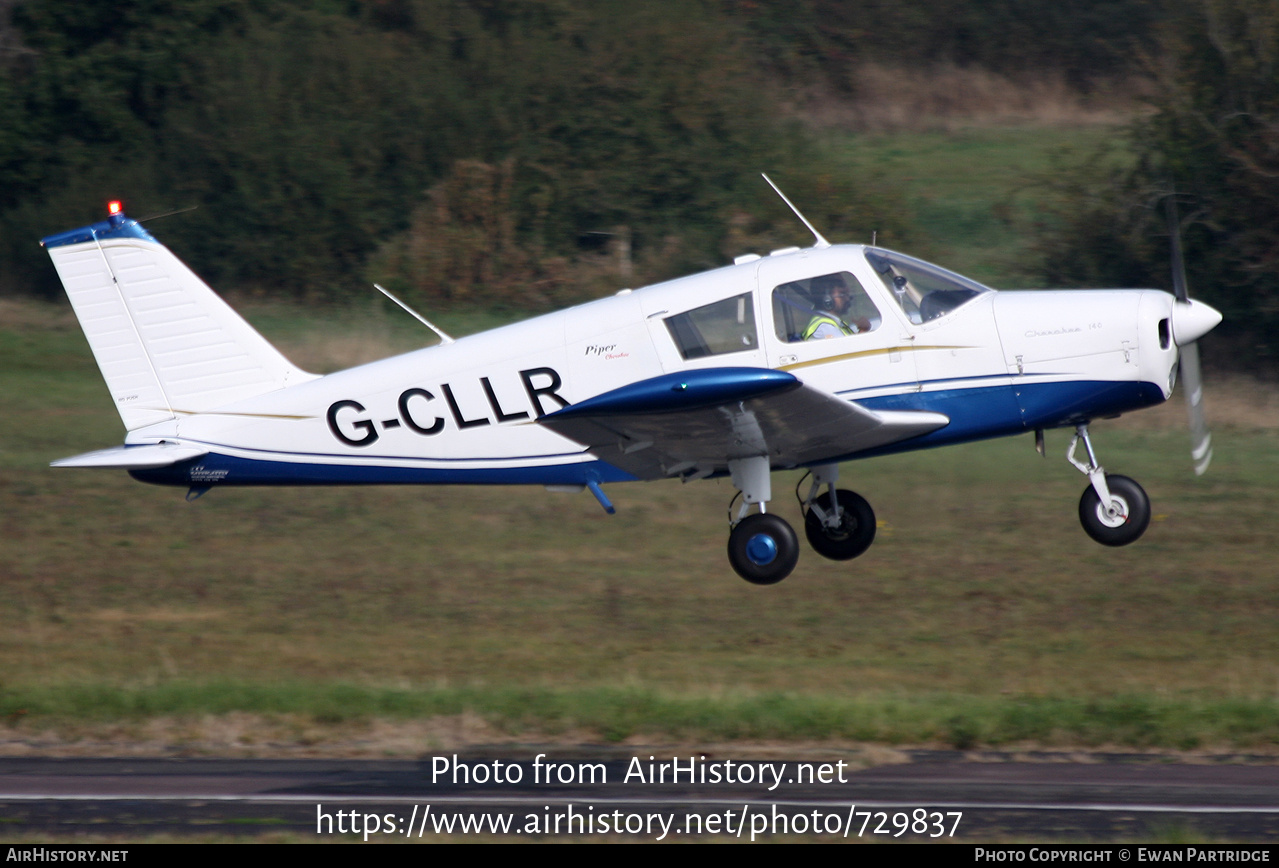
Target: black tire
<point>763,549</point>
<point>1131,521</point>
<point>855,533</point>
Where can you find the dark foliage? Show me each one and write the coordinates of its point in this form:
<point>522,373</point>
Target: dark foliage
<point>309,134</point>
<point>1087,40</point>
<point>323,142</point>
<point>1213,141</point>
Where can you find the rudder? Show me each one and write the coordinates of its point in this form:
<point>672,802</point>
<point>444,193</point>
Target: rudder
<point>167,344</point>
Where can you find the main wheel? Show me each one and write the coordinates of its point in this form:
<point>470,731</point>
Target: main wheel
<point>763,549</point>
<point>851,537</point>
<point>1131,513</point>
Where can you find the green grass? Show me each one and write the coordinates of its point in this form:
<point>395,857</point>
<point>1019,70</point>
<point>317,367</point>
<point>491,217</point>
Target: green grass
<point>982,614</point>
<point>619,713</point>
<point>980,581</point>
<point>976,193</point>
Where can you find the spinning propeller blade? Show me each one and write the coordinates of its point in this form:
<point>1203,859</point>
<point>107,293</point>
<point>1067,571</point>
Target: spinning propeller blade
<point>1191,320</point>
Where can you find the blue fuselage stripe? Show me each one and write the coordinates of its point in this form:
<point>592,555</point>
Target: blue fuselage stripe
<point>216,469</point>
<point>986,412</point>
<point>975,413</point>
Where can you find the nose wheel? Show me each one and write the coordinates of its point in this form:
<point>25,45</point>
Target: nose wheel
<point>1114,509</point>
<point>1126,517</point>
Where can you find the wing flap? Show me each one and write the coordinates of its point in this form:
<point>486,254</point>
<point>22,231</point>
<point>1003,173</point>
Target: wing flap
<point>695,422</point>
<point>133,457</point>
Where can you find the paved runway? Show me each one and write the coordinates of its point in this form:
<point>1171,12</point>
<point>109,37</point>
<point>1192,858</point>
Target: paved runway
<point>651,794</point>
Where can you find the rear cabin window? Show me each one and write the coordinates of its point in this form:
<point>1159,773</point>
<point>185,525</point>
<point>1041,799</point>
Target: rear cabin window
<point>722,327</point>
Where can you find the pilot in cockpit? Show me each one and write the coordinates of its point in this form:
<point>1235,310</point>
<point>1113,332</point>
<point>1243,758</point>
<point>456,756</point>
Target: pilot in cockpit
<point>832,299</point>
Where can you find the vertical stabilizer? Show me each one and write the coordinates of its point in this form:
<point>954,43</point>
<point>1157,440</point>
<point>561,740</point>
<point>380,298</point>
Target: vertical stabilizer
<point>166,344</point>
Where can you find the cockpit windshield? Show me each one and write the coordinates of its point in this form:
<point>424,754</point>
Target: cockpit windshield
<point>924,291</point>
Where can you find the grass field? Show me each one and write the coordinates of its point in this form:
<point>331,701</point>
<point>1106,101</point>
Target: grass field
<point>974,193</point>
<point>267,619</point>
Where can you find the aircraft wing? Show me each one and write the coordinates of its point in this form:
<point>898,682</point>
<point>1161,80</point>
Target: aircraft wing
<point>695,422</point>
<point>133,457</point>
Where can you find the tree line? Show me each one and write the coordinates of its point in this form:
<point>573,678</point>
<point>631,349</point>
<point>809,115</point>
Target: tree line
<point>526,153</point>
<point>1210,144</point>
<point>462,150</point>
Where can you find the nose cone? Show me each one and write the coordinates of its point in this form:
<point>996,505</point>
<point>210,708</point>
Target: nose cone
<point>1191,320</point>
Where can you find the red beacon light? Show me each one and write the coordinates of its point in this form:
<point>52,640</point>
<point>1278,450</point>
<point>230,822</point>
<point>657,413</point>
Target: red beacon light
<point>115,212</point>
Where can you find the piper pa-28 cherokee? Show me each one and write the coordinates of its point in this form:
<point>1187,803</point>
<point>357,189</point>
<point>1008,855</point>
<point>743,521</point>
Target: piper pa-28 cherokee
<point>726,373</point>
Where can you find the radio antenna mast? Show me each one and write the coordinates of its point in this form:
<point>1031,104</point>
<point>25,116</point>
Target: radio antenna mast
<point>444,338</point>
<point>821,242</point>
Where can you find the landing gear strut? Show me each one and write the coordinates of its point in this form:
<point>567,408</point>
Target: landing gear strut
<point>1114,510</point>
<point>762,548</point>
<point>839,524</point>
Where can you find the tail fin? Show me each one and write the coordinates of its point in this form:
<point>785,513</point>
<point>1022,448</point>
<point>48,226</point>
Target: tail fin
<point>167,345</point>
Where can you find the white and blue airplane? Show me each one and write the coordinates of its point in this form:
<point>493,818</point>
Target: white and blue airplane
<point>804,358</point>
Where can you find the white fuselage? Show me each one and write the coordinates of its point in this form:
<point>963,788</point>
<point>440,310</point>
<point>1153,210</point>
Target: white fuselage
<point>998,364</point>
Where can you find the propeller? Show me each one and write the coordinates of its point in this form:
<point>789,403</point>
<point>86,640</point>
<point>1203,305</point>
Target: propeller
<point>1190,321</point>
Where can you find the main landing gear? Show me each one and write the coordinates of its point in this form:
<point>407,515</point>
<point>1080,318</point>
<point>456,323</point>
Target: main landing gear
<point>840,525</point>
<point>764,549</point>
<point>1114,510</point>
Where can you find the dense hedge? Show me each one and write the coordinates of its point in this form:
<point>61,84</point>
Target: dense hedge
<point>1212,142</point>
<point>511,152</point>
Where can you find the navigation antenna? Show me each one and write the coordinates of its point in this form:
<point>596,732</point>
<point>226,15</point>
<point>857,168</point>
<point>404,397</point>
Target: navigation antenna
<point>821,242</point>
<point>444,338</point>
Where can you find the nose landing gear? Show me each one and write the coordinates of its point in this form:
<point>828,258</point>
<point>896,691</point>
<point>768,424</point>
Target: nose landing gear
<point>1114,510</point>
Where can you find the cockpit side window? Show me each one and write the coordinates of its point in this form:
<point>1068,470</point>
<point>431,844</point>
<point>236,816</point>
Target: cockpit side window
<point>924,291</point>
<point>726,326</point>
<point>826,306</point>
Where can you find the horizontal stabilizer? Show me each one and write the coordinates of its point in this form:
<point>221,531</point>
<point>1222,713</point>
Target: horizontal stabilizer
<point>695,422</point>
<point>133,457</point>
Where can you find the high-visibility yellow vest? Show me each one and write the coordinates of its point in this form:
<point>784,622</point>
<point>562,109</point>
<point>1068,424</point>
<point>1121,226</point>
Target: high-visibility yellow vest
<point>823,319</point>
